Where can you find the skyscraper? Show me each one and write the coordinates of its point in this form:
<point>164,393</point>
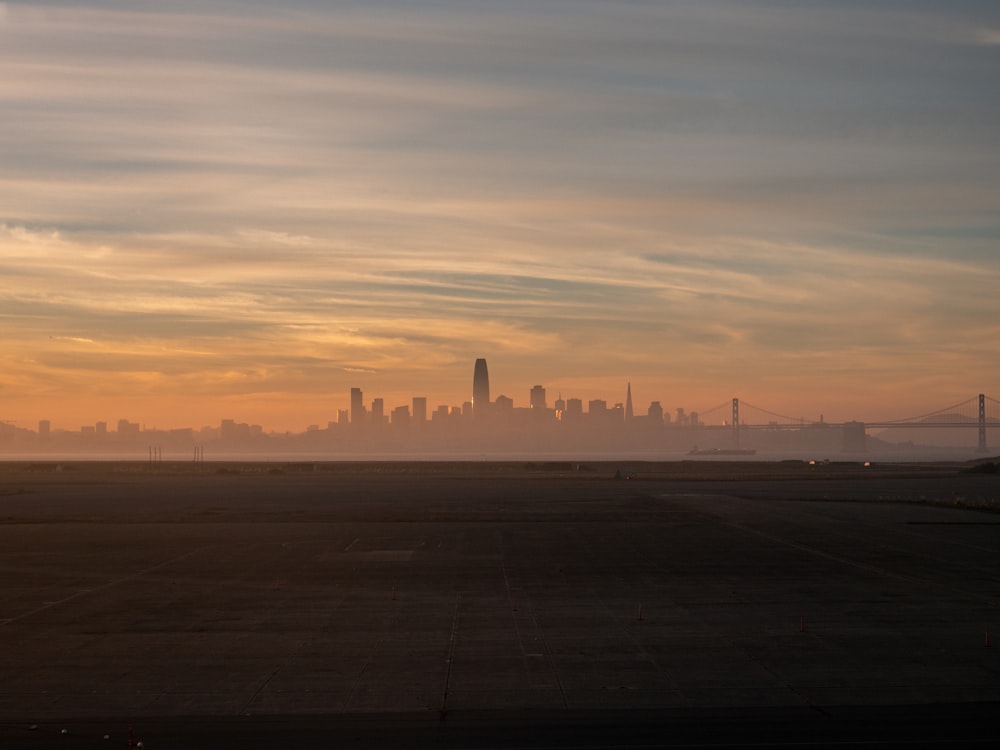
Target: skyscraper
<point>419,409</point>
<point>655,412</point>
<point>537,399</point>
<point>480,389</point>
<point>357,406</point>
<point>628,404</point>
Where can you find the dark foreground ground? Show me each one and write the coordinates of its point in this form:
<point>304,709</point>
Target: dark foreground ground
<point>489,605</point>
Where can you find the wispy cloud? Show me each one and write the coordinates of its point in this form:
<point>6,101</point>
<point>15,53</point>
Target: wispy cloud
<point>290,199</point>
<point>989,37</point>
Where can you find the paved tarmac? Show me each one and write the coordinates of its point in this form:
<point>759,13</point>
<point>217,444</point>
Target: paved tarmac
<point>495,607</point>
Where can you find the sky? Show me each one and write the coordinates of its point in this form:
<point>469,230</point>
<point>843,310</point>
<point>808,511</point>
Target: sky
<point>241,210</point>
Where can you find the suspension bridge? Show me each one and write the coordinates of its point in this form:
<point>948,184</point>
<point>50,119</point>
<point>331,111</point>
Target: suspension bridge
<point>979,412</point>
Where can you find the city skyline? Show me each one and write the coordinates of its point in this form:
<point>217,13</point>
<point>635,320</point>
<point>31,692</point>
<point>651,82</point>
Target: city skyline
<point>217,210</point>
<point>477,407</point>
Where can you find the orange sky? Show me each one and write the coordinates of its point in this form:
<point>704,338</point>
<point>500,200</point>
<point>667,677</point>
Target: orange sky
<point>208,214</point>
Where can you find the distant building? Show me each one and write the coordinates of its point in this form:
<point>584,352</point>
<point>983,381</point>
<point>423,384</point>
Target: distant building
<point>378,410</point>
<point>480,389</point>
<point>503,404</point>
<point>101,428</point>
<point>537,398</point>
<point>401,416</point>
<point>126,428</point>
<point>230,430</point>
<point>357,406</point>
<point>655,412</point>
<point>574,408</point>
<point>419,409</point>
<point>343,416</point>
<point>628,403</point>
<point>44,427</point>
<point>854,437</point>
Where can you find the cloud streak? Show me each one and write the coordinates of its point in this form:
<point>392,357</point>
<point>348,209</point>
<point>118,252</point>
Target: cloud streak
<point>704,197</point>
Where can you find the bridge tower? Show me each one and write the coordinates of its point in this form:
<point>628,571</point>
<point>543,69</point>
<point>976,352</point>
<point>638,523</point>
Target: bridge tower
<point>736,423</point>
<point>982,423</point>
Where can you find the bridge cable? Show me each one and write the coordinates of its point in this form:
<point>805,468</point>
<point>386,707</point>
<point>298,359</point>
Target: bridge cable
<point>794,420</point>
<point>930,414</point>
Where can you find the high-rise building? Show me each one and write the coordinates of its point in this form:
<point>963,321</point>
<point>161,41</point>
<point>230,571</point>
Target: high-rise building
<point>537,400</point>
<point>655,412</point>
<point>574,408</point>
<point>628,404</point>
<point>127,428</point>
<point>357,406</point>
<point>480,389</point>
<point>419,409</point>
<point>378,410</point>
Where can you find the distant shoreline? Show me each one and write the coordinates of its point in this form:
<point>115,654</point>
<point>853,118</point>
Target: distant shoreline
<point>688,467</point>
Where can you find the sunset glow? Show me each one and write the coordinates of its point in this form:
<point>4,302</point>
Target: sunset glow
<point>241,210</point>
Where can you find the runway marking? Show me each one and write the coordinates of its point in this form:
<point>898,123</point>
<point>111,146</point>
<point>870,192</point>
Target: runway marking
<point>812,511</point>
<point>545,655</point>
<point>103,587</point>
<point>615,617</point>
<point>451,657</point>
<point>271,676</point>
<point>856,563</point>
<point>387,628</point>
<point>868,567</point>
<point>525,656</point>
<point>725,639</point>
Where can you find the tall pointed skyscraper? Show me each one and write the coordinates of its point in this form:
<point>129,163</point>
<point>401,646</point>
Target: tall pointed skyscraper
<point>628,403</point>
<point>480,389</point>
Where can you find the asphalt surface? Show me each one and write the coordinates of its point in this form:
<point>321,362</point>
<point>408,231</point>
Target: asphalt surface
<point>529,607</point>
